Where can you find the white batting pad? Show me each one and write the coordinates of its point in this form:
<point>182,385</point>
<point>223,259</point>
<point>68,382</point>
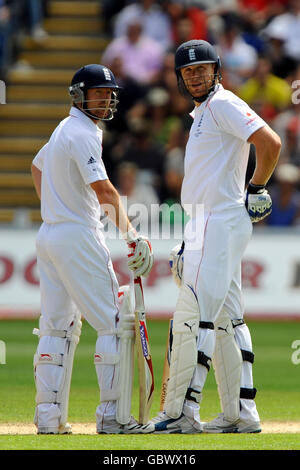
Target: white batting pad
<point>227,363</point>
<point>53,365</point>
<point>184,351</point>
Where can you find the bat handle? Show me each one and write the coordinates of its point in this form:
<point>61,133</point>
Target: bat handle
<point>138,292</point>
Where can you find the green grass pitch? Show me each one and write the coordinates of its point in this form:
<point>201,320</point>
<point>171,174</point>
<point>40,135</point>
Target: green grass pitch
<point>276,378</point>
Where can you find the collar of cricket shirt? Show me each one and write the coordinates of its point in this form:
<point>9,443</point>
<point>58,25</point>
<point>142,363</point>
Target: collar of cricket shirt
<point>75,112</point>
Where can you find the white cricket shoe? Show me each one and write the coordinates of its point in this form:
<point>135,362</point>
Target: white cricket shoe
<point>163,424</point>
<point>248,426</point>
<point>62,429</point>
<point>111,426</point>
<point>221,425</point>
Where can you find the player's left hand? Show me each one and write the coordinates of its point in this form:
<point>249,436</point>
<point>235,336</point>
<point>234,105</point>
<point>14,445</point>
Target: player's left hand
<point>140,257</point>
<point>176,263</point>
<point>258,202</point>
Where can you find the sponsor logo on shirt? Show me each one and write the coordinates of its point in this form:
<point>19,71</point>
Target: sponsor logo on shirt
<point>91,161</point>
<point>250,120</point>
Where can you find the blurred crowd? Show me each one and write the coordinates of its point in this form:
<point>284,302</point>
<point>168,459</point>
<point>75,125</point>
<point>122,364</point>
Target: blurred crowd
<point>259,45</point>
<point>18,17</point>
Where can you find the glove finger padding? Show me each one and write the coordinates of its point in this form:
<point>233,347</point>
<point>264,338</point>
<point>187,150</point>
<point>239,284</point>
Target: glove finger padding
<point>259,204</point>
<point>140,250</point>
<point>140,259</point>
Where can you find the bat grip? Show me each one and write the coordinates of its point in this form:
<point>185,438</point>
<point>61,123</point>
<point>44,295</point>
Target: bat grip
<point>138,292</point>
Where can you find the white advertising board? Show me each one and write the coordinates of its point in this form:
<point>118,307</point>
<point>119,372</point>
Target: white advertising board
<point>271,275</point>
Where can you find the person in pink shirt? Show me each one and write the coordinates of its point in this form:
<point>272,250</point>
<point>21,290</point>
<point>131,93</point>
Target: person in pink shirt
<point>142,56</point>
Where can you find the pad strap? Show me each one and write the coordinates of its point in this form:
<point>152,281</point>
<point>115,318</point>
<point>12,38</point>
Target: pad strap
<point>193,395</point>
<point>236,323</point>
<point>247,356</point>
<point>206,324</point>
<point>248,393</point>
<point>204,360</point>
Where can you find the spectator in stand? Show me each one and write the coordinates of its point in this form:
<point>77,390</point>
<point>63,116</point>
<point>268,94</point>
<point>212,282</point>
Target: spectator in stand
<point>164,124</point>
<point>288,26</point>
<point>148,155</point>
<point>238,57</point>
<point>36,10</point>
<point>142,56</point>
<point>182,10</point>
<point>129,95</point>
<point>265,92</point>
<point>155,22</point>
<point>258,12</point>
<point>287,125</point>
<point>5,37</point>
<point>108,10</point>
<point>283,66</point>
<point>285,196</point>
<point>133,191</point>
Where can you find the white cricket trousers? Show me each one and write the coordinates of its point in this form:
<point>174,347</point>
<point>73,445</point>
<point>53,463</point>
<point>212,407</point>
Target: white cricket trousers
<point>76,274</point>
<point>212,268</point>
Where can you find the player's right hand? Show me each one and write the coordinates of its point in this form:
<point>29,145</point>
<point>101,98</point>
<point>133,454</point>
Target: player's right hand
<point>140,257</point>
<point>258,202</point>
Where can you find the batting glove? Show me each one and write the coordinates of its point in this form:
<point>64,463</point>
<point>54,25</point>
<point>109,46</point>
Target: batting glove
<point>176,263</point>
<point>140,257</point>
<point>258,202</point>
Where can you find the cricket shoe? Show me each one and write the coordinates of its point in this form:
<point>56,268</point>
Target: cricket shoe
<point>62,429</point>
<point>111,426</point>
<point>221,425</point>
<point>163,424</point>
<point>248,426</point>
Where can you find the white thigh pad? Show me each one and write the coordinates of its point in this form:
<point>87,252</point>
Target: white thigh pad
<point>184,350</point>
<point>227,363</point>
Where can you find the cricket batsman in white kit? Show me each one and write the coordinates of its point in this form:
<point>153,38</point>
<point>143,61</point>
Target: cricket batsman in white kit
<point>76,273</point>
<point>208,321</point>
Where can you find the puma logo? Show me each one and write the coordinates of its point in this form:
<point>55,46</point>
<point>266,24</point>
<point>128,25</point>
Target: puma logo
<point>189,326</point>
<point>223,329</point>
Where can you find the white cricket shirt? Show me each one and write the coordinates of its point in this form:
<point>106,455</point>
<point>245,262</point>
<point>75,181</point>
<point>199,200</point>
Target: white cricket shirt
<point>217,152</point>
<point>70,162</point>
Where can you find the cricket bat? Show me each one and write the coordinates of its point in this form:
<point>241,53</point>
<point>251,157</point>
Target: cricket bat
<point>166,370</point>
<point>145,367</point>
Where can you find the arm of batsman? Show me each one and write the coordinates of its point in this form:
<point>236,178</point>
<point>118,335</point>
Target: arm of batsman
<point>258,202</point>
<point>140,257</point>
